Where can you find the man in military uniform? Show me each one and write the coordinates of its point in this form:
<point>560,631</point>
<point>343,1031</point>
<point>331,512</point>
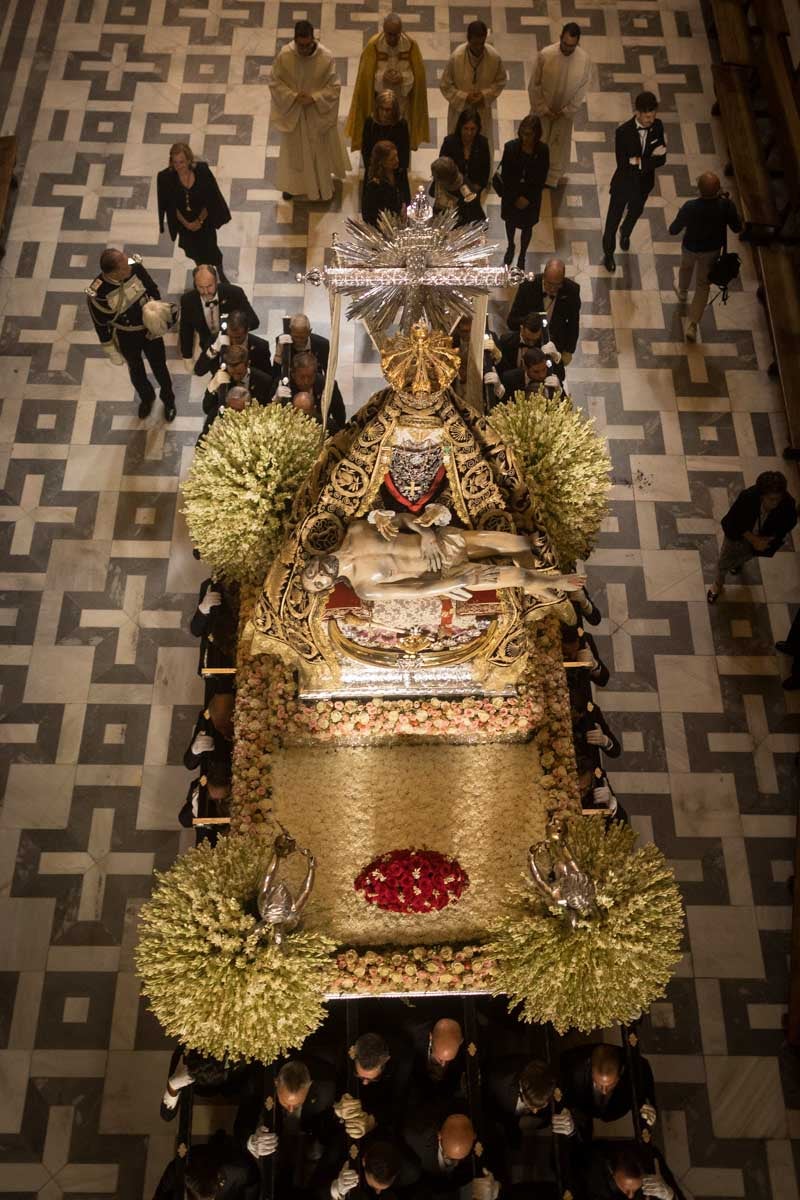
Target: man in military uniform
<point>116,299</point>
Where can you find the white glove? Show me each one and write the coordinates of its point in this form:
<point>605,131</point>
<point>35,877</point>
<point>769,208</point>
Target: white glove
<point>585,656</point>
<point>552,381</point>
<point>283,392</point>
<point>634,161</point>
<point>551,349</point>
<point>648,1114</point>
<point>357,1123</point>
<point>344,1182</point>
<point>202,744</point>
<point>220,342</point>
<point>112,354</point>
<point>262,1142</point>
<point>659,151</point>
<point>601,796</point>
<point>563,1123</point>
<point>181,1077</point>
<point>654,1185</point>
<point>596,737</point>
<point>188,366</point>
<point>209,601</point>
<point>284,339</point>
<point>485,1187</point>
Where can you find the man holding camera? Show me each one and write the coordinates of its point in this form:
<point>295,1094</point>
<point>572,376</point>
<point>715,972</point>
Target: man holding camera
<point>704,222</point>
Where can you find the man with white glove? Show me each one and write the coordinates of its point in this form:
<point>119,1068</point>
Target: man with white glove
<point>590,728</point>
<point>654,1185</point>
<point>262,1142</point>
<point>351,1113</point>
<point>596,1085</point>
<point>345,1181</point>
<point>485,1187</point>
<point>214,621</point>
<point>178,1080</point>
<point>213,731</point>
<point>492,379</point>
<point>563,1123</point>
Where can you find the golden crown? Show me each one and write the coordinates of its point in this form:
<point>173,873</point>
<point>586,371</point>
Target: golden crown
<point>421,362</point>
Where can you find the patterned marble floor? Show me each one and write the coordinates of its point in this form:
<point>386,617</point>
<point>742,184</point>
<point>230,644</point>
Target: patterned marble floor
<point>97,581</point>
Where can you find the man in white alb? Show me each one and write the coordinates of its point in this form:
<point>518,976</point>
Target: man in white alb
<point>305,109</point>
<point>559,82</point>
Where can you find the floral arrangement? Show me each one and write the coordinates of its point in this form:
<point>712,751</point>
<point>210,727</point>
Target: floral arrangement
<point>421,969</point>
<point>213,981</point>
<point>240,486</point>
<point>566,468</point>
<point>614,964</point>
<point>406,881</point>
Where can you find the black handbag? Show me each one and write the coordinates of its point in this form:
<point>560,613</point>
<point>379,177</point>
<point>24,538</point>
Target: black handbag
<point>724,269</point>
<point>497,183</point>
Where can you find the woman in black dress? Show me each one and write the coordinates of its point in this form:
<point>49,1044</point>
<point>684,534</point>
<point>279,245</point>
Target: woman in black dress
<point>449,191</point>
<point>388,126</point>
<point>469,150</point>
<point>523,169</point>
<point>381,191</point>
<point>190,199</point>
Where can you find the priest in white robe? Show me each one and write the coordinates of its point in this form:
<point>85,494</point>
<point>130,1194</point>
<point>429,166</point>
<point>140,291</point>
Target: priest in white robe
<point>559,82</point>
<point>474,76</point>
<point>305,108</point>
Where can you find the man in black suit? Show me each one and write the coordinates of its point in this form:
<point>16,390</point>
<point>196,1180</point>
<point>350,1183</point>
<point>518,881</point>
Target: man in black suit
<point>298,340</point>
<point>382,1066</point>
<point>615,1171</point>
<point>235,333</point>
<point>533,333</point>
<point>538,370</point>
<point>520,1088</point>
<point>755,526</point>
<point>216,1170</point>
<point>640,148</point>
<point>212,736</point>
<point>305,376</point>
<point>236,372</point>
<point>444,1150</point>
<point>559,297</point>
<point>298,1126</point>
<point>205,307</point>
<point>597,1085</point>
<point>383,1164</point>
<point>439,1055</point>
<point>215,622</point>
<point>580,646</point>
<point>590,728</point>
<point>208,796</point>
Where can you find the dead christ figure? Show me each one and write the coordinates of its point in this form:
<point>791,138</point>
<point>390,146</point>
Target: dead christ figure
<point>382,562</point>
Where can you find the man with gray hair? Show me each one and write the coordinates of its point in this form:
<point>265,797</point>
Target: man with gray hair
<point>300,337</point>
<point>705,222</point>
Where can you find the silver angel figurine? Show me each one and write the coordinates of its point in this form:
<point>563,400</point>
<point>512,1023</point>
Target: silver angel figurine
<point>279,912</point>
<point>556,875</point>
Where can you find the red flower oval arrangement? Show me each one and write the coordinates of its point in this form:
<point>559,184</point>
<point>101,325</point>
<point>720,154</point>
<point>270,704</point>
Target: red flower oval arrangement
<point>412,881</point>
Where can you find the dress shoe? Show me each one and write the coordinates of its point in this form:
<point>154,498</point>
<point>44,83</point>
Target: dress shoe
<point>783,648</point>
<point>508,257</point>
<point>145,408</point>
<point>521,262</point>
<point>691,331</point>
<point>170,411</point>
<point>624,242</point>
<point>609,262</point>
<point>287,195</point>
<point>792,684</point>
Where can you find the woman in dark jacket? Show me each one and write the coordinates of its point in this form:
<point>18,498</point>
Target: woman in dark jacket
<point>469,150</point>
<point>381,192</point>
<point>388,126</point>
<point>523,169</point>
<point>190,199</point>
<point>755,526</point>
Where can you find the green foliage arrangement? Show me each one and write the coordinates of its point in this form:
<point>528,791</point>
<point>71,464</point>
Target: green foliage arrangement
<point>612,966</point>
<point>241,484</point>
<point>213,983</point>
<point>566,468</point>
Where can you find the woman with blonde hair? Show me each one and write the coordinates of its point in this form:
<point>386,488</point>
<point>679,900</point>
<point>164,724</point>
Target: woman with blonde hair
<point>190,200</point>
<point>387,125</point>
<point>381,191</point>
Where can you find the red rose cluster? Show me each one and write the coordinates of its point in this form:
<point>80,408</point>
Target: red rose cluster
<point>412,881</point>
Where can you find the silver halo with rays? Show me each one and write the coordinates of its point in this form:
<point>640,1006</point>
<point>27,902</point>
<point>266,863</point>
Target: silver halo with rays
<point>410,268</point>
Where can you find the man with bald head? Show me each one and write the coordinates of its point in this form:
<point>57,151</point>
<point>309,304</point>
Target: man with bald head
<point>704,222</point>
<point>439,1054</point>
<point>391,61</point>
<point>206,309</point>
<point>596,1085</point>
<point>552,293</point>
<point>443,1144</point>
<point>300,337</point>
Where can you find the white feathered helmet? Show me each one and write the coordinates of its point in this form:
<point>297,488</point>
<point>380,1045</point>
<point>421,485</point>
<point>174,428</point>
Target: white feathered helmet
<point>158,317</point>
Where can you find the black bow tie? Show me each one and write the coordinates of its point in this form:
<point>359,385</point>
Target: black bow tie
<point>642,129</point>
<point>211,303</point>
